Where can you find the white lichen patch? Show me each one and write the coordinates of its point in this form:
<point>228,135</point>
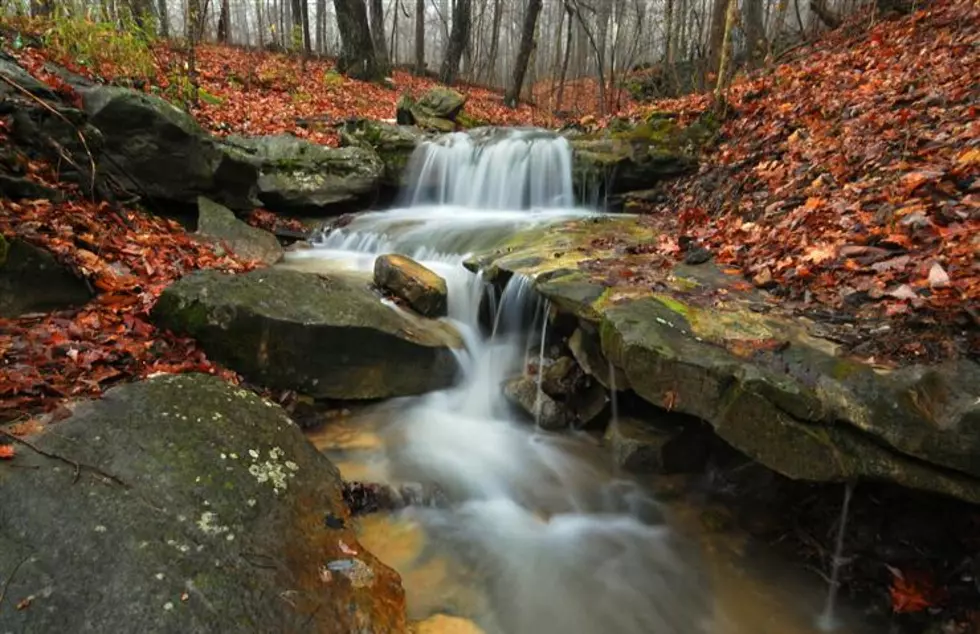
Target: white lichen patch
<point>209,524</point>
<point>274,470</point>
<point>100,529</point>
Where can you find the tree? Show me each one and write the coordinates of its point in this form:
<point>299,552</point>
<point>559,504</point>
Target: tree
<point>223,18</point>
<point>726,48</point>
<point>164,18</point>
<point>419,37</point>
<point>357,55</point>
<point>755,32</point>
<point>458,39</point>
<point>378,33</point>
<point>524,53</point>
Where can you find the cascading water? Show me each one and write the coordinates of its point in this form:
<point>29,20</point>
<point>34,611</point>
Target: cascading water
<point>560,544</point>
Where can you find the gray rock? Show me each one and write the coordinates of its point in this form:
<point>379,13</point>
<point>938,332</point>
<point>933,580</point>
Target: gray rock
<point>436,110</point>
<point>523,392</point>
<point>408,280</point>
<point>32,280</point>
<point>218,514</point>
<point>559,377</point>
<point>218,224</point>
<point>296,176</point>
<point>653,446</point>
<point>585,347</point>
<point>13,71</point>
<point>328,336</point>
<point>394,145</point>
<point>156,150</point>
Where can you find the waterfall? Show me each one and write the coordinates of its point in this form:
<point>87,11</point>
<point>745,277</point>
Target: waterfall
<point>561,545</point>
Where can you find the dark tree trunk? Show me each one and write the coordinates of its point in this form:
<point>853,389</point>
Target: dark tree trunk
<point>296,24</point>
<point>378,34</point>
<point>420,37</point>
<point>458,38</point>
<point>321,25</point>
<point>223,21</point>
<point>494,42</point>
<point>568,55</point>
<point>755,33</point>
<point>524,52</point>
<point>717,36</point>
<point>357,57</point>
<point>164,18</point>
<point>307,48</point>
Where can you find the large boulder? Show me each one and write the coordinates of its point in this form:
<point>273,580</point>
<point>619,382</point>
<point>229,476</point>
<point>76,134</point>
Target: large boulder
<point>772,384</point>
<point>184,504</point>
<point>394,145</point>
<point>158,151</point>
<point>435,110</point>
<point>411,282</point>
<point>296,176</point>
<point>217,223</point>
<point>32,280</point>
<point>328,336</point>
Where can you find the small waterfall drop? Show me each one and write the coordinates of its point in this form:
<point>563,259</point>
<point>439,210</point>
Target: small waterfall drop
<point>827,621</point>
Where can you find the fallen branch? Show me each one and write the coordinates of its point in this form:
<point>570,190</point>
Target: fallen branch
<point>10,578</point>
<point>78,466</point>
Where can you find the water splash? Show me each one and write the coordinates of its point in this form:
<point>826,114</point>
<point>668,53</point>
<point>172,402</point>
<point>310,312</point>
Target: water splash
<point>538,398</point>
<point>827,622</point>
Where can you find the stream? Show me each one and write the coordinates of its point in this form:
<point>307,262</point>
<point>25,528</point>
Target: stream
<point>538,532</point>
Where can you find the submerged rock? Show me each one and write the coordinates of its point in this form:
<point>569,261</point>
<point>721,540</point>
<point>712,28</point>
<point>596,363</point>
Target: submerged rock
<point>768,383</point>
<point>523,392</point>
<point>394,145</point>
<point>296,176</point>
<point>184,504</point>
<point>32,280</point>
<point>219,224</point>
<point>328,336</point>
<point>408,280</point>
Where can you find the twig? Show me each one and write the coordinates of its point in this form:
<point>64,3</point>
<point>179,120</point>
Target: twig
<point>76,465</point>
<point>46,106</point>
<point>10,577</point>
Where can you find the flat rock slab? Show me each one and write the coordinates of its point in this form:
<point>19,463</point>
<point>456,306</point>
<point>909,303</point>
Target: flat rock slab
<point>218,224</point>
<point>220,516</point>
<point>408,280</point>
<point>694,339</point>
<point>325,335</point>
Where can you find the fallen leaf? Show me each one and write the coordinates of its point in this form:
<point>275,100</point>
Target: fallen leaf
<point>938,278</point>
<point>7,452</point>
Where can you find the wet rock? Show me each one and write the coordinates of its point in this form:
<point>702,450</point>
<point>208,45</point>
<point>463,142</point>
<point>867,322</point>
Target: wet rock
<point>627,160</point>
<point>394,145</point>
<point>655,446</point>
<point>559,378</point>
<point>408,280</point>
<point>436,110</point>
<point>768,382</point>
<point>589,403</point>
<point>32,280</point>
<point>584,346</point>
<point>219,224</point>
<point>155,150</point>
<point>300,177</point>
<point>523,393</point>
<point>216,502</point>
<point>328,336</point>
<point>697,255</point>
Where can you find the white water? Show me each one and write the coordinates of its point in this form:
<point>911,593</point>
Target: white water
<point>559,543</point>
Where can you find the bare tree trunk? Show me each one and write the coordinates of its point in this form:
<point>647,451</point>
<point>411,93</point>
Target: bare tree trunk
<point>568,55</point>
<point>223,19</point>
<point>420,37</point>
<point>822,11</point>
<point>357,57</point>
<point>755,31</point>
<point>524,53</point>
<point>164,18</point>
<point>494,42</point>
<point>716,41</point>
<point>600,61</point>
<point>305,14</point>
<point>378,33</point>
<point>726,47</point>
<point>321,24</point>
<point>669,41</point>
<point>458,38</point>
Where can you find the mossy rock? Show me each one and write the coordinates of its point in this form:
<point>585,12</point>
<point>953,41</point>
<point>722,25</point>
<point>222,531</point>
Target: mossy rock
<point>217,223</point>
<point>32,280</point>
<point>329,336</point>
<point>194,506</point>
<point>785,397</point>
<point>394,145</point>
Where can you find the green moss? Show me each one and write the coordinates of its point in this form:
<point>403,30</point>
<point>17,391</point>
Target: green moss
<point>673,304</point>
<point>208,98</point>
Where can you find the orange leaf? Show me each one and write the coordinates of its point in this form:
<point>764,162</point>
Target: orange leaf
<point>7,452</point>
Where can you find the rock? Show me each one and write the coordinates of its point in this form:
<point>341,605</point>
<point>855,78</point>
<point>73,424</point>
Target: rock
<point>32,280</point>
<point>156,150</point>
<point>10,69</point>
<point>436,110</point>
<point>406,279</point>
<point>328,336</point>
<point>697,255</point>
<point>584,346</point>
<point>22,188</point>
<point>219,224</point>
<point>559,377</point>
<point>394,145</point>
<point>647,446</point>
<point>299,177</point>
<point>589,403</point>
<point>217,510</point>
<point>634,159</point>
<point>523,392</point>
<point>773,385</point>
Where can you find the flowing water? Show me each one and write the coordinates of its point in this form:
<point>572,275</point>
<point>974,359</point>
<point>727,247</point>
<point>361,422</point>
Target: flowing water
<point>538,534</point>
